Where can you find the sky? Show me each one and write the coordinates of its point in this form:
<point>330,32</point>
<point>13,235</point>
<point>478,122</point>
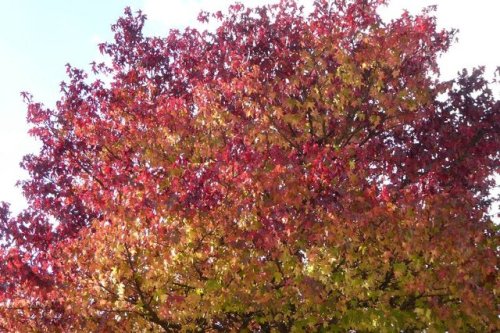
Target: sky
<point>37,39</point>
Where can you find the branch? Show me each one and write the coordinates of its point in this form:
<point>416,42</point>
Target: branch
<point>150,314</point>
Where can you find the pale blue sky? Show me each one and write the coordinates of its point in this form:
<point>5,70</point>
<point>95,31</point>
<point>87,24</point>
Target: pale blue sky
<point>38,37</point>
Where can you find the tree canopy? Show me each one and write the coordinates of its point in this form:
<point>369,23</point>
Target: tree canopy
<point>282,172</point>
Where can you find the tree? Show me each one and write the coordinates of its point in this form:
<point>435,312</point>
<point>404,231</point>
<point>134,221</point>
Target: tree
<point>282,173</point>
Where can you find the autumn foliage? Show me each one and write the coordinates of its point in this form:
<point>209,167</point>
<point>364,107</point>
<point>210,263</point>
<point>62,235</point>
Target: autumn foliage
<point>282,172</point>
